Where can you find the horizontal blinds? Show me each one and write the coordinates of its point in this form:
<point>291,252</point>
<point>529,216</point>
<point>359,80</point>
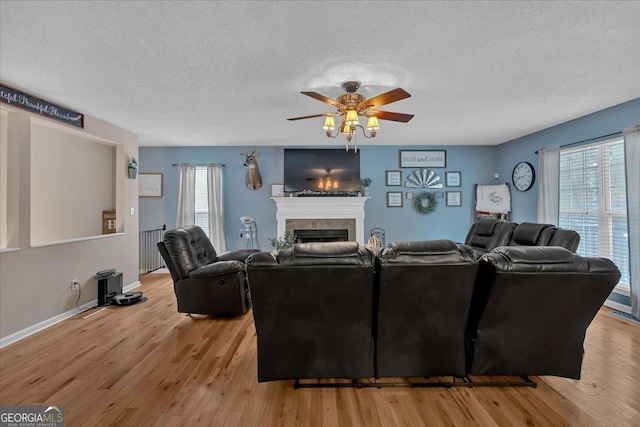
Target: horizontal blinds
<point>593,200</point>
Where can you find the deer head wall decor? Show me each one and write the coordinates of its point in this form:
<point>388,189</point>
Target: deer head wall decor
<point>252,179</point>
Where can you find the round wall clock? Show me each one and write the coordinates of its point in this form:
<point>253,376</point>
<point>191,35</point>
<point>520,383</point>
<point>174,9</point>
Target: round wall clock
<point>523,176</point>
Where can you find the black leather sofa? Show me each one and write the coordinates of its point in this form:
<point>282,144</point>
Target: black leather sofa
<point>424,295</point>
<point>312,307</point>
<point>205,282</point>
<point>322,310</point>
<point>488,234</point>
<point>531,308</point>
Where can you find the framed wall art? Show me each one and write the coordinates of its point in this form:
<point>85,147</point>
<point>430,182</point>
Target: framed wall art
<point>453,179</point>
<point>277,190</point>
<point>394,199</point>
<point>423,159</point>
<point>394,178</point>
<point>150,185</point>
<point>454,198</point>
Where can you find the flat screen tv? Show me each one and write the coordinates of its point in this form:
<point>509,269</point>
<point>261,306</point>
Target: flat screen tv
<point>321,172</point>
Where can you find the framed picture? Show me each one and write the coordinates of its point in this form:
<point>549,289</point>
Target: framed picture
<point>277,190</point>
<point>423,159</point>
<point>394,199</point>
<point>394,178</point>
<point>150,185</point>
<point>454,198</point>
<point>454,179</point>
<point>409,195</point>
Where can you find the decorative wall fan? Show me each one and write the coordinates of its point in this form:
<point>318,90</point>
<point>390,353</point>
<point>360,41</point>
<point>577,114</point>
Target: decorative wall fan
<point>423,178</point>
<point>352,105</point>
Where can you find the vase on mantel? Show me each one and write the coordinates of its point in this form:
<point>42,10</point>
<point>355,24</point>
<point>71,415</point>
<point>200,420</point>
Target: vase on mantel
<point>365,191</point>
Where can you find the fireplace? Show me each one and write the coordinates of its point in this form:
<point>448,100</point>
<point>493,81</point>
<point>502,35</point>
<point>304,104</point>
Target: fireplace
<point>322,235</point>
<point>321,213</point>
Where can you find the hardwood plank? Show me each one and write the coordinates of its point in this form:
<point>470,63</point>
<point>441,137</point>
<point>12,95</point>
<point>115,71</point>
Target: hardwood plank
<point>149,365</point>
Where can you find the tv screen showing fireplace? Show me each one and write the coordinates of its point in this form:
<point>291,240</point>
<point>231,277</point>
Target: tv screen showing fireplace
<point>321,171</point>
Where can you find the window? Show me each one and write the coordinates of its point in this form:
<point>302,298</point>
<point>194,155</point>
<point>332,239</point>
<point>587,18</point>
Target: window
<point>202,199</point>
<point>593,201</point>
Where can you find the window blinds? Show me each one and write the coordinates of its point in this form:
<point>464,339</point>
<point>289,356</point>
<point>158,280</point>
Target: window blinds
<point>593,201</point>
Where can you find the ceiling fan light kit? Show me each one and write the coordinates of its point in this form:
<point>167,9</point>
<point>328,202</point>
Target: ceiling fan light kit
<point>352,105</point>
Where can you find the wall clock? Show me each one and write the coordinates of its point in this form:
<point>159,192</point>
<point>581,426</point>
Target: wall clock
<point>523,176</point>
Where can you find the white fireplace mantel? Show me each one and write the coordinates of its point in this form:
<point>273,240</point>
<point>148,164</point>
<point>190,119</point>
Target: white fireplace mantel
<point>322,208</point>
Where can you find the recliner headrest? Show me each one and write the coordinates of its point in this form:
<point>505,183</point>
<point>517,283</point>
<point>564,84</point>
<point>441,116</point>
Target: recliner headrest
<point>325,250</point>
<point>426,252</point>
<point>535,259</point>
<point>485,227</point>
<point>529,233</point>
<point>326,254</point>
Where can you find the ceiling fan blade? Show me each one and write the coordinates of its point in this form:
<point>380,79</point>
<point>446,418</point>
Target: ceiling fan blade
<point>326,100</point>
<point>384,99</point>
<point>396,117</point>
<point>308,117</point>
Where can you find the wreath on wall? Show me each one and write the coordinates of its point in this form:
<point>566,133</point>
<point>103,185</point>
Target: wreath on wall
<point>425,203</point>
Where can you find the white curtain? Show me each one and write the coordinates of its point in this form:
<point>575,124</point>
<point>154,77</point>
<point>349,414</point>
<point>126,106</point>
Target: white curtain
<point>216,210</point>
<point>186,213</point>
<point>632,160</point>
<point>549,186</point>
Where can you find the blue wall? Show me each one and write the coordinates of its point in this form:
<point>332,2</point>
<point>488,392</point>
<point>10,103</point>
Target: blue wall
<point>604,122</point>
<point>477,164</point>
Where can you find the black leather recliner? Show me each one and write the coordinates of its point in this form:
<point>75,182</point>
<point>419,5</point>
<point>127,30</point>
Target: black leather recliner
<point>312,307</point>
<point>205,282</point>
<point>425,292</point>
<point>530,310</point>
<point>488,234</point>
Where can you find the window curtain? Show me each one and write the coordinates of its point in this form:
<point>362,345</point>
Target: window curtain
<point>632,160</point>
<point>549,186</point>
<point>186,212</point>
<point>216,211</point>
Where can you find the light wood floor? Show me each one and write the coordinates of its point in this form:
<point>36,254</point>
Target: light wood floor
<point>149,365</point>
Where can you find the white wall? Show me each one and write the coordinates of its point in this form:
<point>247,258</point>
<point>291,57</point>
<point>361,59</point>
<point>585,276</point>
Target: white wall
<point>35,281</point>
<point>72,182</point>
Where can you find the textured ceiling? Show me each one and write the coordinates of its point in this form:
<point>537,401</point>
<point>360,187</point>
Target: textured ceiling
<point>230,73</point>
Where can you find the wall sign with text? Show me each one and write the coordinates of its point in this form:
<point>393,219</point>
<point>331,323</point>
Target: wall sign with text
<point>423,159</point>
<point>31,103</point>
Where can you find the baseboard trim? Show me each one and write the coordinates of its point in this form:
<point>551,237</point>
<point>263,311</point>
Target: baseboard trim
<point>617,306</point>
<point>24,333</point>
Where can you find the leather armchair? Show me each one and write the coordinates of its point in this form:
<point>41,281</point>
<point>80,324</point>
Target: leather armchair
<point>312,307</point>
<point>425,290</point>
<point>205,282</point>
<point>530,310</point>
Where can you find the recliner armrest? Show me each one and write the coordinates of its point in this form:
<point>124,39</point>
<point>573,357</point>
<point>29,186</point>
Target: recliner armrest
<point>261,259</point>
<point>216,269</point>
<point>238,255</point>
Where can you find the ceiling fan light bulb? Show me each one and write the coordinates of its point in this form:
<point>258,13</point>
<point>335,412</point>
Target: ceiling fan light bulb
<point>352,118</point>
<point>373,124</point>
<point>329,124</point>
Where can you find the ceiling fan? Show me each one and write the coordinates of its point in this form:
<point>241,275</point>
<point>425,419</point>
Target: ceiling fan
<point>351,105</point>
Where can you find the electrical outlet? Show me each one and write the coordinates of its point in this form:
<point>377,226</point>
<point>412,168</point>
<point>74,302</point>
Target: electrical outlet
<point>75,285</point>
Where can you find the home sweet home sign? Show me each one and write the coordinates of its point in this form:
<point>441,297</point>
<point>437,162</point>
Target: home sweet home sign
<point>20,99</point>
